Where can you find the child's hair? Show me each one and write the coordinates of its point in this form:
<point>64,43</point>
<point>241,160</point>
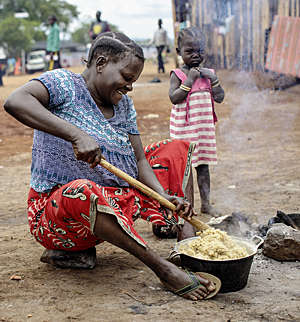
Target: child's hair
<point>115,45</point>
<point>193,32</point>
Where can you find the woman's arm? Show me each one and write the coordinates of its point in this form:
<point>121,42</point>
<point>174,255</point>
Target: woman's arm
<point>28,104</point>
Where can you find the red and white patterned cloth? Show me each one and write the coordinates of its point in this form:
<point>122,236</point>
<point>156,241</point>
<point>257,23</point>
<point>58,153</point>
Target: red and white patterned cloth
<point>194,120</point>
<point>65,217</point>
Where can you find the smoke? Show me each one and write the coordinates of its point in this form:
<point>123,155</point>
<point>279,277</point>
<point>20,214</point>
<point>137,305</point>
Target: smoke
<point>251,140</point>
<point>253,113</point>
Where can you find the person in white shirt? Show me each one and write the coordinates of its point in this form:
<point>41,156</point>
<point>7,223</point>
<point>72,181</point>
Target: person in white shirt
<point>160,40</point>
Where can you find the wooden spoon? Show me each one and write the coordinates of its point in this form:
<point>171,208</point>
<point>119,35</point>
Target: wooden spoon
<point>199,225</point>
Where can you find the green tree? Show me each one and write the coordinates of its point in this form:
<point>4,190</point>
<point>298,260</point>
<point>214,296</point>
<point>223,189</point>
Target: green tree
<point>40,10</point>
<point>17,34</point>
<point>81,34</point>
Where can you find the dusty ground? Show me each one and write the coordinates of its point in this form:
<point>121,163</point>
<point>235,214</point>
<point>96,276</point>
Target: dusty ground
<point>258,173</point>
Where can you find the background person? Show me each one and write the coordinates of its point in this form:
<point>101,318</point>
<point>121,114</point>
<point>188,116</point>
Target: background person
<point>53,44</point>
<point>97,27</point>
<point>74,203</point>
<point>2,73</point>
<point>160,41</point>
<point>11,63</point>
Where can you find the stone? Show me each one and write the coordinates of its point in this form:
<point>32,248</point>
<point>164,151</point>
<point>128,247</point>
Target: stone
<point>282,243</point>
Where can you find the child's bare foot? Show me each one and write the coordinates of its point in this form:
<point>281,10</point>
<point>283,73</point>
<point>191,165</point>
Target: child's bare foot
<point>208,209</point>
<point>189,285</point>
<point>64,259</point>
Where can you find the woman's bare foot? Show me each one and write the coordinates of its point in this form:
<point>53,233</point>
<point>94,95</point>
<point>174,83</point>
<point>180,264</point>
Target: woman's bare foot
<point>210,210</point>
<point>63,259</point>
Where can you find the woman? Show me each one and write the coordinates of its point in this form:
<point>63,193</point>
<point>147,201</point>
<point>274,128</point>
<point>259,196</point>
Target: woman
<point>74,203</point>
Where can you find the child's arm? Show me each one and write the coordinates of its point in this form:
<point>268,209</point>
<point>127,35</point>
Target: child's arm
<point>217,90</point>
<point>178,92</point>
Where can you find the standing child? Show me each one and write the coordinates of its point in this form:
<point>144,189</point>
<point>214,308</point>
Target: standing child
<point>193,90</point>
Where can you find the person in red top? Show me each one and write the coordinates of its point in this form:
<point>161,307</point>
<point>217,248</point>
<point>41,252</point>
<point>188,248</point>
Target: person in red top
<point>73,203</point>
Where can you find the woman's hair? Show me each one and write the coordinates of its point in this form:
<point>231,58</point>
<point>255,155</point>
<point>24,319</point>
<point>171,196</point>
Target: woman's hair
<point>192,32</point>
<point>115,45</point>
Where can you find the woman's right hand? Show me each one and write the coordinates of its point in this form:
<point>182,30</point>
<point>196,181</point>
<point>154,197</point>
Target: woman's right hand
<point>87,149</point>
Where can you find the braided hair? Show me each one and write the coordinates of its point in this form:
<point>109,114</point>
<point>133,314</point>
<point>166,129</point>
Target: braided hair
<point>115,45</point>
<point>193,32</point>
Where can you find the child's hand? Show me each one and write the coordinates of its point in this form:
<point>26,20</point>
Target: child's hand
<point>193,74</point>
<point>206,73</point>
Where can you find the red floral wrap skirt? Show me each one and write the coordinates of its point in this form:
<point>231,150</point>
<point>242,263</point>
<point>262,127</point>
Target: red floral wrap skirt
<point>65,217</point>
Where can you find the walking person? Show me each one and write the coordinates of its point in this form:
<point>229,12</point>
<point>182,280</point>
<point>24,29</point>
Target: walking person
<point>73,202</point>
<point>2,73</point>
<point>97,27</point>
<point>160,41</point>
<point>53,44</point>
<point>193,91</point>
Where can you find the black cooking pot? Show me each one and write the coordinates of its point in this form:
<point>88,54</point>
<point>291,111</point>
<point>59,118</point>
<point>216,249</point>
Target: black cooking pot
<point>233,273</point>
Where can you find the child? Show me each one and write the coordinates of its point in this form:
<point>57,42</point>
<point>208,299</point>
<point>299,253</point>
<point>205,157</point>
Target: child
<point>193,90</point>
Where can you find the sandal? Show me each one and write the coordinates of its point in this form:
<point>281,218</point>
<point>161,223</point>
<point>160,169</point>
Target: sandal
<point>195,283</point>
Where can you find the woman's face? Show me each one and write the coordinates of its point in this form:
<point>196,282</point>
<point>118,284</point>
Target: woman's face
<point>192,52</point>
<point>116,79</point>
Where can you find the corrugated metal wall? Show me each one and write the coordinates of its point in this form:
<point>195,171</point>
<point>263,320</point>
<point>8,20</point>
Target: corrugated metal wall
<point>238,30</point>
<point>284,46</point>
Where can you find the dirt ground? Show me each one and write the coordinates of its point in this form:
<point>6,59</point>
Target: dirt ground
<point>258,138</point>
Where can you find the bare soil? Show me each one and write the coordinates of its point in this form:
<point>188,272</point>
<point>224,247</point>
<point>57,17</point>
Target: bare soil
<point>258,137</point>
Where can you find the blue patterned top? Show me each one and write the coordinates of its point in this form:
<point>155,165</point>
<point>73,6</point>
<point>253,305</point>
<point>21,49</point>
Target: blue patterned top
<point>53,159</point>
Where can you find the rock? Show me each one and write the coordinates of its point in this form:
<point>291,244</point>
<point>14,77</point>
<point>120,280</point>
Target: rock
<point>282,243</point>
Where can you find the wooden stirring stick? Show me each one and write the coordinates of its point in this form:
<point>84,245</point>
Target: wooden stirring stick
<point>199,225</point>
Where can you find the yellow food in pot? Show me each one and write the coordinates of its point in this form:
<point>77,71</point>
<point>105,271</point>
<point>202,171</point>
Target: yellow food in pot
<point>213,244</point>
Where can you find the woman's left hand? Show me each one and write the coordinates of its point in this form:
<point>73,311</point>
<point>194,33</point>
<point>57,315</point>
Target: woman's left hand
<point>183,207</point>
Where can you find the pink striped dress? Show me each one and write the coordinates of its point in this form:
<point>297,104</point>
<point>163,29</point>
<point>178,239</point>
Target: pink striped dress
<point>194,120</point>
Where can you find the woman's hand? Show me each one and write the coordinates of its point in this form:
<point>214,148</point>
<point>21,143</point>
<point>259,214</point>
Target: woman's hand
<point>87,149</point>
<point>183,207</point>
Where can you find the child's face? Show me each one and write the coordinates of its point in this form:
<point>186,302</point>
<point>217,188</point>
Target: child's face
<point>192,52</point>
